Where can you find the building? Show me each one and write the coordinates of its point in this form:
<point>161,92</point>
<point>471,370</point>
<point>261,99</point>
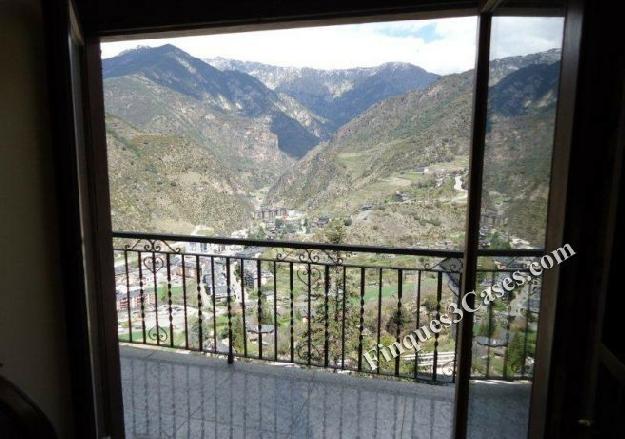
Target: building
<point>270,213</point>
<point>134,294</point>
<point>187,269</point>
<point>322,221</point>
<point>205,248</point>
<point>264,329</point>
<point>494,218</point>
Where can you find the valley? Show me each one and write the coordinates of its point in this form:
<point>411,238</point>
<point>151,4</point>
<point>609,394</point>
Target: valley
<point>231,148</point>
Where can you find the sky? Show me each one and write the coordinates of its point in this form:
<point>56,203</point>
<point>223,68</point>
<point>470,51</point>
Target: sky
<point>441,46</point>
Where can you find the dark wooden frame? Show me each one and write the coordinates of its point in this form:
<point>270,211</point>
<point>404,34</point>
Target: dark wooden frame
<point>85,236</point>
<point>97,390</point>
<point>586,190</point>
<point>119,19</point>
<point>556,215</point>
<point>66,163</point>
<point>101,236</point>
<point>472,227</point>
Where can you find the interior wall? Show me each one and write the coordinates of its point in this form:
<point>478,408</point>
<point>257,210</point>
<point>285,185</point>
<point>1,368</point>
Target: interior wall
<point>33,351</point>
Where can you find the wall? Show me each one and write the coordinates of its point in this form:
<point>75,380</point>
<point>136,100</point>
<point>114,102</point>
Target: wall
<point>32,347</point>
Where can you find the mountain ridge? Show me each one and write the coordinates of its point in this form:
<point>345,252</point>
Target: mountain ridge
<point>228,92</point>
<point>267,144</point>
<point>337,95</point>
<point>431,127</point>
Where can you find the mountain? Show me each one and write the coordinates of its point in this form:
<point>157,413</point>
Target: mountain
<point>246,145</point>
<point>189,145</point>
<point>336,95</point>
<point>384,151</point>
<point>227,118</point>
<point>521,92</point>
<point>502,67</point>
<point>167,69</point>
<point>383,148</point>
<point>167,183</point>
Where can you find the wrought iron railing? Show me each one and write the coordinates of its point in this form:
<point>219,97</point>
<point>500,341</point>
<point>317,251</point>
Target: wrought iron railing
<point>318,305</point>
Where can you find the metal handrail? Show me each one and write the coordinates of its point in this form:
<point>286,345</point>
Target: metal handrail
<point>301,245</point>
<point>149,262</point>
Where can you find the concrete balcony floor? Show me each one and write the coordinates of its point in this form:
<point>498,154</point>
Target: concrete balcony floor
<point>170,394</point>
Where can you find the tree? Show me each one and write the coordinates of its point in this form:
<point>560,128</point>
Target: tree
<point>237,332</point>
<point>194,333</point>
<point>258,233</point>
<point>430,303</point>
<point>498,241</point>
<point>337,301</point>
<point>335,232</point>
<point>487,326</point>
<point>401,318</point>
<point>516,353</point>
<point>266,315</point>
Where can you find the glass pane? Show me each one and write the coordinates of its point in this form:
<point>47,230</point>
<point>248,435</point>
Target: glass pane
<point>358,133</point>
<point>522,100</point>
<point>346,134</point>
<point>524,73</point>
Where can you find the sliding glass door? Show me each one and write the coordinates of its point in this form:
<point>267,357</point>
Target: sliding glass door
<point>523,81</point>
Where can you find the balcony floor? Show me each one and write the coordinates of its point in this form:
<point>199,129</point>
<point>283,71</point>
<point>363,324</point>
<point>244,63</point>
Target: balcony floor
<point>173,394</point>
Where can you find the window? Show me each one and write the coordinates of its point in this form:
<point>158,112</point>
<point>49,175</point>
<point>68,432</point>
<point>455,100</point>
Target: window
<point>311,214</point>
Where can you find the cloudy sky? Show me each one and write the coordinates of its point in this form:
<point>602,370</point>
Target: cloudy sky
<point>441,46</point>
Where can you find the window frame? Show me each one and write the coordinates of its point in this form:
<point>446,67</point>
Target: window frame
<point>104,21</point>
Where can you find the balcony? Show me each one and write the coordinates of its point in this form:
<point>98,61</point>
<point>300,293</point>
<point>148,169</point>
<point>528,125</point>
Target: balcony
<point>169,394</point>
<point>290,314</point>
